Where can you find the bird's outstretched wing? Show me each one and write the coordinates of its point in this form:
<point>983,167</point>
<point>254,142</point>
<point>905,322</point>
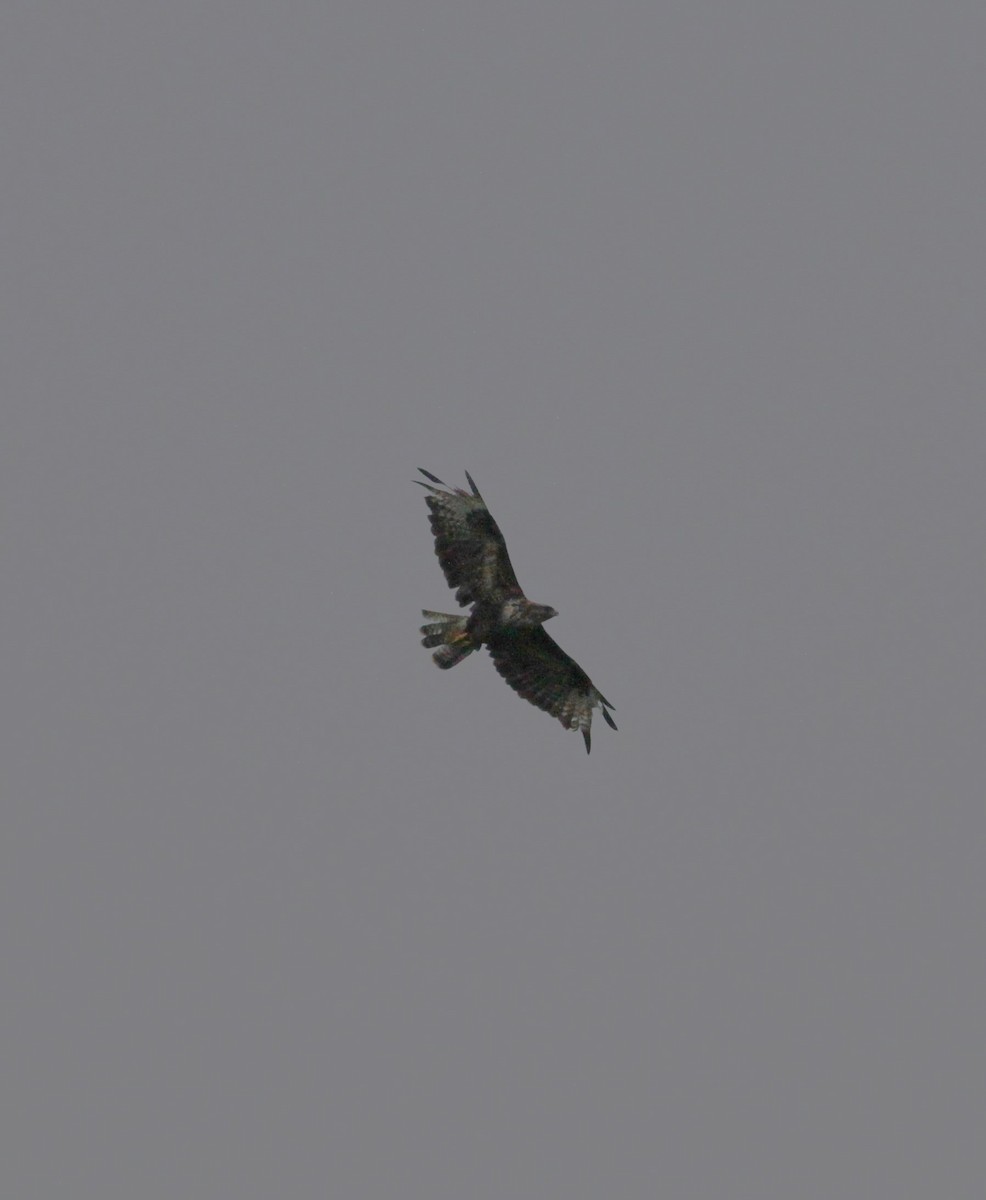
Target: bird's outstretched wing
<point>469,544</point>
<point>538,669</point>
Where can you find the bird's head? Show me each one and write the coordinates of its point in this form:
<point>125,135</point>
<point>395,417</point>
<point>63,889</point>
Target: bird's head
<point>522,613</point>
<point>542,613</point>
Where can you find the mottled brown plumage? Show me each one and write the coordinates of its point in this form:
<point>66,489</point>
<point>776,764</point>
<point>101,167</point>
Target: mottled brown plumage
<point>473,555</point>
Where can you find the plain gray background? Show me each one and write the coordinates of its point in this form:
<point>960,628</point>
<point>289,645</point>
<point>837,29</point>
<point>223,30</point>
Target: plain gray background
<point>697,292</point>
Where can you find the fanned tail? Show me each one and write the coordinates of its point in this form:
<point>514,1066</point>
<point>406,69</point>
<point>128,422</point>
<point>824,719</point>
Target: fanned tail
<point>448,633</point>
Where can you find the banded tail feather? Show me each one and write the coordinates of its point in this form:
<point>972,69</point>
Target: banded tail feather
<point>448,633</point>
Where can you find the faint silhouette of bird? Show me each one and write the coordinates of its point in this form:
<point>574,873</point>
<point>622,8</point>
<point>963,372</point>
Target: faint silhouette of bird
<point>473,555</point>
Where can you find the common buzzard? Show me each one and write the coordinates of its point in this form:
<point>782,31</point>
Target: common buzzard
<point>473,555</point>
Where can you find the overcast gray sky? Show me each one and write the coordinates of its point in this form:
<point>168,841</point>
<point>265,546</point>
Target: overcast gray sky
<point>697,292</point>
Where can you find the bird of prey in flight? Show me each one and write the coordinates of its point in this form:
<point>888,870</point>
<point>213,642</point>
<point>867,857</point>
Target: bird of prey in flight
<point>473,555</point>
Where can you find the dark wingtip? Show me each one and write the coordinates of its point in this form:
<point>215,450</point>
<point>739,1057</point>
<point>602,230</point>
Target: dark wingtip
<point>428,475</point>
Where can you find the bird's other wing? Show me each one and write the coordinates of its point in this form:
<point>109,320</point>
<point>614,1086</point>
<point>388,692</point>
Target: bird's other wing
<point>469,544</point>
<point>538,669</point>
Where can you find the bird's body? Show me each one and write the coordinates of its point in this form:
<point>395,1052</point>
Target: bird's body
<point>473,555</point>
